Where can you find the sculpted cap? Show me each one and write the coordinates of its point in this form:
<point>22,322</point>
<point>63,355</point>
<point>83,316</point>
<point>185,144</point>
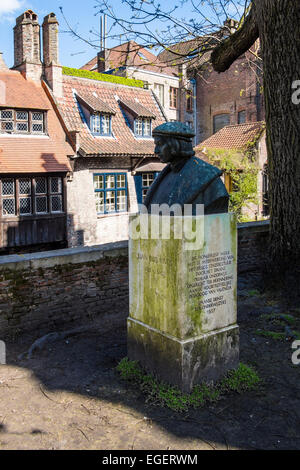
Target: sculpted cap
<point>174,129</point>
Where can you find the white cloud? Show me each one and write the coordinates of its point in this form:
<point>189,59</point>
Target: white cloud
<point>10,6</point>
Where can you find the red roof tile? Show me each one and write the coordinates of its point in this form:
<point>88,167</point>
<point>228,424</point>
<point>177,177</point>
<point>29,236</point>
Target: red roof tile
<point>95,104</point>
<point>123,141</point>
<point>131,54</point>
<point>233,137</point>
<point>17,92</point>
<point>137,109</point>
<point>32,153</point>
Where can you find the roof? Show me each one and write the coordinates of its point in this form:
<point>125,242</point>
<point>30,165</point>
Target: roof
<point>234,137</point>
<point>32,153</point>
<point>151,166</point>
<point>187,51</point>
<point>122,141</point>
<point>94,103</point>
<point>137,109</point>
<point>131,54</point>
<point>17,92</point>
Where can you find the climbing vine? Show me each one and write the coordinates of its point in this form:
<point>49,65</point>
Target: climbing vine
<point>241,169</point>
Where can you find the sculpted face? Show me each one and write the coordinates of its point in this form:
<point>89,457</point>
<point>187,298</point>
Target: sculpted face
<point>163,149</point>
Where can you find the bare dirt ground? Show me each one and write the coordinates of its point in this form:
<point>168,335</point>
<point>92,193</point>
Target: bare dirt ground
<point>67,395</point>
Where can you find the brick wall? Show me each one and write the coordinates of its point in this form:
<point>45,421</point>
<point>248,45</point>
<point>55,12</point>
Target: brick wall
<point>229,92</point>
<point>46,291</point>
<point>252,245</point>
<point>43,291</point>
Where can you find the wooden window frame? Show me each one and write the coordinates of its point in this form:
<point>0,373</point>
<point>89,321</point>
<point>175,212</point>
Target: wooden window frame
<point>16,179</point>
<point>101,117</point>
<point>29,121</point>
<point>115,189</point>
<point>143,121</point>
<point>173,95</point>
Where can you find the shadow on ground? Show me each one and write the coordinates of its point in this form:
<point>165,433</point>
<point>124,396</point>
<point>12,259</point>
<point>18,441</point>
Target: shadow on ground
<point>69,396</point>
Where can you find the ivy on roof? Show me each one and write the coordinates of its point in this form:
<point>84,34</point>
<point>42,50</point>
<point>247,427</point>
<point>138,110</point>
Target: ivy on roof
<point>102,77</point>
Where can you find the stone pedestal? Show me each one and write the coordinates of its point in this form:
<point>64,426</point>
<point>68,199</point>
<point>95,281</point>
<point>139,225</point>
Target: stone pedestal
<point>182,321</point>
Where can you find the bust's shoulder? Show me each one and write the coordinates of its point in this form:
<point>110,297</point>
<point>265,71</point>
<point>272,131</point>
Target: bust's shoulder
<point>196,165</point>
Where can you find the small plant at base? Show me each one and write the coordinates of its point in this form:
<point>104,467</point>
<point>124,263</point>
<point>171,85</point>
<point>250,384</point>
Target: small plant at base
<point>242,379</point>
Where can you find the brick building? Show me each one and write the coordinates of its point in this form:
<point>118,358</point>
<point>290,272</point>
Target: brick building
<point>85,143</point>
<point>241,140</point>
<point>133,61</point>
<point>229,98</point>
<point>34,150</point>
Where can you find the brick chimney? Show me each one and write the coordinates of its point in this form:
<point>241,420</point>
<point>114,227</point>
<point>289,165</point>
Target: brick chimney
<point>52,68</point>
<point>27,47</point>
<point>103,63</point>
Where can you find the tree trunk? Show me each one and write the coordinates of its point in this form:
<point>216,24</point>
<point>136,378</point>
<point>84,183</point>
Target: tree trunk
<point>278,23</point>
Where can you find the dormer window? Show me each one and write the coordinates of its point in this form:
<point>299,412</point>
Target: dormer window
<point>97,113</point>
<point>22,121</point>
<point>100,124</point>
<point>138,117</point>
<point>142,127</point>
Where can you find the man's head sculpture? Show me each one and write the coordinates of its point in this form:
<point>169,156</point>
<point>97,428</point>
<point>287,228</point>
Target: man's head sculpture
<point>186,179</point>
<point>173,141</point>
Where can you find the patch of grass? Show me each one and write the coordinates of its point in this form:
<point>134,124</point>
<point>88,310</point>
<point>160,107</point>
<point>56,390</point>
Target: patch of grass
<point>253,293</point>
<point>240,380</point>
<point>276,335</point>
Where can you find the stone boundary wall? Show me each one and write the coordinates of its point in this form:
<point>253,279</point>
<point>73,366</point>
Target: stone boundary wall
<point>45,291</point>
<point>252,245</point>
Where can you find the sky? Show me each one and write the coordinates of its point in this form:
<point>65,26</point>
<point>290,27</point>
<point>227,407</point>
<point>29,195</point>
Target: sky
<point>79,13</point>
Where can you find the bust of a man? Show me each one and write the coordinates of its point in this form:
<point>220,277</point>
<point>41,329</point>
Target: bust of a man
<point>186,179</point>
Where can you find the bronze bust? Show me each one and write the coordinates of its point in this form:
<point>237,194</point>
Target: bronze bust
<point>186,179</point>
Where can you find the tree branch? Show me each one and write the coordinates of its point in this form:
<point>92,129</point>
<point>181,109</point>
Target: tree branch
<point>235,45</point>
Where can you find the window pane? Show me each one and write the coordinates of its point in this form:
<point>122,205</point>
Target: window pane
<point>220,121</point>
<point>6,115</point>
<point>99,201</point>
<point>105,124</point>
<point>139,126</point>
<point>121,181</point>
<point>110,181</point>
<point>22,116</point>
<point>241,117</point>
<point>147,179</point>
<point>37,128</point>
<point>96,123</point>
<point>41,204</point>
<point>110,201</point>
<point>56,204</point>
<point>121,200</point>
<point>37,116</point>
<point>40,185</point>
<point>55,185</point>
<point>25,186</point>
<point>8,187</point>
<point>147,127</point>
<point>25,205</point>
<point>8,206</point>
<point>159,90</point>
<point>144,192</point>
<point>98,182</point>
<point>7,126</point>
<point>22,126</point>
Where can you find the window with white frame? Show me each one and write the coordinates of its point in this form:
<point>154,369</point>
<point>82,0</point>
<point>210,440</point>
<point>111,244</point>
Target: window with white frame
<point>147,180</point>
<point>100,124</point>
<point>22,121</point>
<point>22,196</point>
<point>110,192</point>
<point>160,91</point>
<point>142,127</point>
